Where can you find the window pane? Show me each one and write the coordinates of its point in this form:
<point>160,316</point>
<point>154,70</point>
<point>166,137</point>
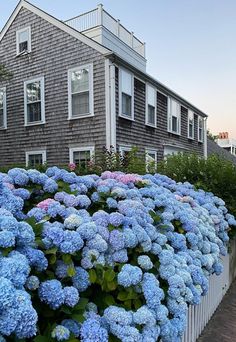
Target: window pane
<point>151,96</point>
<point>190,129</point>
<point>23,46</point>
<point>80,104</point>
<point>126,105</point>
<point>1,98</point>
<point>35,159</point>
<point>151,115</point>
<point>81,158</point>
<point>1,118</point>
<point>200,134</point>
<point>23,36</point>
<point>126,82</point>
<point>34,112</point>
<point>33,92</point>
<point>80,81</point>
<point>174,124</point>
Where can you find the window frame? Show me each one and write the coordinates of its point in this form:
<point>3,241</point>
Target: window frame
<point>28,28</point>
<point>91,91</point>
<point>90,149</point>
<point>131,118</point>
<point>4,126</point>
<point>200,119</point>
<point>148,86</point>
<point>170,116</point>
<point>42,100</point>
<point>192,113</point>
<point>124,148</point>
<point>42,152</point>
<point>150,151</point>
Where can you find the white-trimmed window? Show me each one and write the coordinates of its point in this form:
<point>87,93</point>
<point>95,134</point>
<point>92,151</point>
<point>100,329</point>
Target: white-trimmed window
<point>23,40</point>
<point>151,160</point>
<point>190,124</point>
<point>80,91</point>
<point>3,108</point>
<point>151,106</point>
<point>81,156</point>
<point>200,129</point>
<point>174,116</point>
<point>126,97</point>
<point>35,158</point>
<point>124,150</point>
<point>34,101</point>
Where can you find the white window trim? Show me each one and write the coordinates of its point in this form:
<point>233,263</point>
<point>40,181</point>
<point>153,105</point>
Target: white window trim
<point>169,111</point>
<point>151,151</point>
<point>28,28</point>
<point>91,150</point>
<point>91,99</point>
<point>42,93</point>
<point>120,95</point>
<point>200,140</point>
<point>4,108</point>
<point>146,116</point>
<point>124,148</point>
<point>189,137</point>
<point>42,152</point>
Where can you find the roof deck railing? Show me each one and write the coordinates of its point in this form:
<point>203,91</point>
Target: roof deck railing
<point>100,17</point>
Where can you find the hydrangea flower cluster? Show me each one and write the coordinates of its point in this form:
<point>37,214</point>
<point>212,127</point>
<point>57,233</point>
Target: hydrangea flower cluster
<point>119,256</point>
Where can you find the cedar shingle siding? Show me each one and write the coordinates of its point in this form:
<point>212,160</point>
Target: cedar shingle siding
<point>53,53</point>
<point>136,133</point>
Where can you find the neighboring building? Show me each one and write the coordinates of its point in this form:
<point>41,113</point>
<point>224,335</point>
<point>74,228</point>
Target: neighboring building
<point>226,143</point>
<point>81,85</point>
<point>214,148</point>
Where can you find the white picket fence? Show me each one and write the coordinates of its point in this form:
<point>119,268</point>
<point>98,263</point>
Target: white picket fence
<point>199,315</point>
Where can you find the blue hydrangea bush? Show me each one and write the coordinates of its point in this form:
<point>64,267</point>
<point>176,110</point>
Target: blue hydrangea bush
<point>116,257</point>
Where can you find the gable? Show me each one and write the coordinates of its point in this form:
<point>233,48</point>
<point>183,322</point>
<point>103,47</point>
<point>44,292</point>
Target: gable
<point>52,20</point>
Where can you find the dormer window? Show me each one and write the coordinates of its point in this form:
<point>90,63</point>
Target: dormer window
<point>23,40</point>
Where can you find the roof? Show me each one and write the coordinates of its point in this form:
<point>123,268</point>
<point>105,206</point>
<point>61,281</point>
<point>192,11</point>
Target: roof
<point>213,148</point>
<point>54,21</point>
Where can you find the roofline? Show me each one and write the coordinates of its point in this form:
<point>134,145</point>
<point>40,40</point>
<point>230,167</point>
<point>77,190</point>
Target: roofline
<point>167,91</point>
<point>54,21</point>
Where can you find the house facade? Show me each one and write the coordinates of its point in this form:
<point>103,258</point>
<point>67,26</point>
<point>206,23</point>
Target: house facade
<point>81,85</point>
<point>227,143</point>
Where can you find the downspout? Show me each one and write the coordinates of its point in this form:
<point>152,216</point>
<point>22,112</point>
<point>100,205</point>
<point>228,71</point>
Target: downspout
<point>110,91</point>
<point>205,137</point>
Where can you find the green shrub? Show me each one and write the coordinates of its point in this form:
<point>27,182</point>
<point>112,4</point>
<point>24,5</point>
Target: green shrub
<point>214,174</point>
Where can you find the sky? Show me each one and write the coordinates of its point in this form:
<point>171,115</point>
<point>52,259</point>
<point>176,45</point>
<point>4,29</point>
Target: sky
<point>190,45</point>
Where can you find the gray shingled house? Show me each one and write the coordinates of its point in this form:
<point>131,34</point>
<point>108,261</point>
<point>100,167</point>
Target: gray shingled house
<point>80,85</point>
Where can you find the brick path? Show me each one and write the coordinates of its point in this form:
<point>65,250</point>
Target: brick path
<point>222,326</point>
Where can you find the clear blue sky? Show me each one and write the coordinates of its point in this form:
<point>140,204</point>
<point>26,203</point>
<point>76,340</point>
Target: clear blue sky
<point>191,46</point>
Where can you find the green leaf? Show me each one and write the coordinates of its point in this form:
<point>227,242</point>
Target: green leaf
<point>109,275</point>
<point>66,310</point>
<point>51,251</point>
<point>78,317</point>
<point>122,295</point>
<point>109,300</point>
<point>81,305</point>
<point>71,271</point>
<point>92,276</point>
<point>42,339</point>
<point>52,259</point>
<point>66,258</point>
<point>112,285</point>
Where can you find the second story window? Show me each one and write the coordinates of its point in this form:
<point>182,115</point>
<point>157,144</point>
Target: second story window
<point>80,88</point>
<point>126,86</point>
<point>190,124</point>
<point>200,129</point>
<point>174,116</point>
<point>34,102</point>
<point>23,40</point>
<point>3,108</point>
<point>151,100</point>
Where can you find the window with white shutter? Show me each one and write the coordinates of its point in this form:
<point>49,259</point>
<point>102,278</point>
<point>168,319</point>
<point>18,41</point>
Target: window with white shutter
<point>151,106</point>
<point>126,97</point>
<point>174,116</point>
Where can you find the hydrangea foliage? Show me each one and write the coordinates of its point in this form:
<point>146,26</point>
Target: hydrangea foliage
<point>116,257</point>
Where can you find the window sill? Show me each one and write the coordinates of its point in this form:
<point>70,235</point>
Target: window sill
<point>126,117</point>
<point>81,116</point>
<point>150,125</point>
<point>175,133</point>
<point>3,128</point>
<point>190,138</point>
<point>200,141</point>
<point>35,123</point>
<point>24,53</point>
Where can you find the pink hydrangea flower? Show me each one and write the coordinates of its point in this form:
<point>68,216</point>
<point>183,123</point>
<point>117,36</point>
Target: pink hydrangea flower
<point>45,204</point>
<point>121,177</point>
<point>72,166</point>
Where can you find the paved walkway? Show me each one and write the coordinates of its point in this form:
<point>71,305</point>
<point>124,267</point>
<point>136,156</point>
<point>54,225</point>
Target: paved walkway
<point>222,326</point>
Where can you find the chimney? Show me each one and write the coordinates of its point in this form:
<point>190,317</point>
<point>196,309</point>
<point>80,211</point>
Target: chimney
<point>223,135</point>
